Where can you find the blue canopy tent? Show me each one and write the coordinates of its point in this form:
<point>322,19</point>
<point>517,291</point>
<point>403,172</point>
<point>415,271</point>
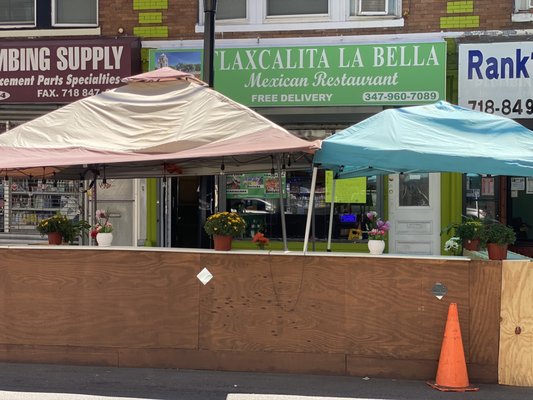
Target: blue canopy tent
<point>438,137</point>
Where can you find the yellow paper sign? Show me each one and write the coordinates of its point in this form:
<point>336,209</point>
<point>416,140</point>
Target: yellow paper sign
<point>351,190</point>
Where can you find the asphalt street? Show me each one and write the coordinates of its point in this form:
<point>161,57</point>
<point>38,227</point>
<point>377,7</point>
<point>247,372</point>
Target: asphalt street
<point>50,382</point>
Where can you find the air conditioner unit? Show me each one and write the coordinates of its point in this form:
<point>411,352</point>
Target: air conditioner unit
<point>375,7</point>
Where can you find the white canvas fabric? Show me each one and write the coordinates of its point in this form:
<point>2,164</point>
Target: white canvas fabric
<point>148,123</point>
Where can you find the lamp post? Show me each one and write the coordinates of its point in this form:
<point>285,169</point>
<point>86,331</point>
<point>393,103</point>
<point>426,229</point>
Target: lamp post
<point>207,183</point>
<point>210,9</point>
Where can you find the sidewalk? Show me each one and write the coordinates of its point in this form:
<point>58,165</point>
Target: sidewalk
<point>51,382</point>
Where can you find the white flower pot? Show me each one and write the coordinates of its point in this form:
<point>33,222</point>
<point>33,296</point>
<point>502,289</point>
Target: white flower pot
<point>376,246</point>
<point>104,239</point>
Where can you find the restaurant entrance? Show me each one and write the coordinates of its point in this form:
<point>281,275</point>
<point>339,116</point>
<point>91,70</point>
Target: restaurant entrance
<point>414,213</point>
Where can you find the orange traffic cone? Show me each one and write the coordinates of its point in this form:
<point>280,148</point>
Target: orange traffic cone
<point>451,373</point>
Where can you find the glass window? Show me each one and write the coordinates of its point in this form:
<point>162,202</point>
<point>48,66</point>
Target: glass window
<point>231,9</point>
<point>372,7</point>
<point>522,5</point>
<point>481,196</point>
<point>262,213</point>
<point>75,12</point>
<point>277,15</point>
<point>414,190</point>
<point>296,7</point>
<point>520,212</point>
<point>17,12</point>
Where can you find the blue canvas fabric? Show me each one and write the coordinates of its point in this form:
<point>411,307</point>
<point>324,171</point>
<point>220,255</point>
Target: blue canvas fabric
<point>439,137</point>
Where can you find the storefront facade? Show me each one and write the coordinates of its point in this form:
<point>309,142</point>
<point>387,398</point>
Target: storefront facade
<point>315,88</point>
<point>256,43</point>
<point>495,77</point>
<point>38,76</point>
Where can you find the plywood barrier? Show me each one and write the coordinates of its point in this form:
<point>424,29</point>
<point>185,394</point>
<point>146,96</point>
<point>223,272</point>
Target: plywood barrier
<point>516,334</point>
<point>342,315</point>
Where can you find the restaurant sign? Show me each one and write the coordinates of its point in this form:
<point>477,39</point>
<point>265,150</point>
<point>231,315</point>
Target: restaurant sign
<point>369,74</point>
<point>62,71</point>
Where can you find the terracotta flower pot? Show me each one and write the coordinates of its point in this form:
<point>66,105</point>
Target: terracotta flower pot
<point>55,238</point>
<point>497,251</point>
<point>471,244</point>
<point>222,243</point>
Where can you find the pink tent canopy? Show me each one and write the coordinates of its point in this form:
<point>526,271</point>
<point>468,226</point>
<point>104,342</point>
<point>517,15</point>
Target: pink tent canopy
<point>160,122</point>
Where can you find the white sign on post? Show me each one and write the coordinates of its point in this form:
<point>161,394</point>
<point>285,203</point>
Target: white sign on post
<point>497,78</point>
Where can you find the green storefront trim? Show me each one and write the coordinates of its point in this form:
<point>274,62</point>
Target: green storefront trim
<point>451,186</point>
<point>151,212</point>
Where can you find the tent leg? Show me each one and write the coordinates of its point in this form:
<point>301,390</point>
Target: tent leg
<point>94,199</point>
<point>282,207</point>
<point>331,209</point>
<point>310,209</point>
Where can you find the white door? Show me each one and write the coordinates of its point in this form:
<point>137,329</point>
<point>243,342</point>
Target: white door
<point>414,214</point>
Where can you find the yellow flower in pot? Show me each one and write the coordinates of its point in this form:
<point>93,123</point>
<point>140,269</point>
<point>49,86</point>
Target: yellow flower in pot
<point>60,228</point>
<point>224,226</point>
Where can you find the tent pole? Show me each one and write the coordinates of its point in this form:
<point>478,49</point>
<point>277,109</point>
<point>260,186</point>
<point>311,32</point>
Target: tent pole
<point>282,207</point>
<point>331,209</point>
<point>94,198</point>
<point>310,209</point>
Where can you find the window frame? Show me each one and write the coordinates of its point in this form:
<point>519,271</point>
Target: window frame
<point>28,25</point>
<point>523,5</point>
<point>63,25</point>
<point>338,17</point>
<point>361,12</point>
<point>523,11</point>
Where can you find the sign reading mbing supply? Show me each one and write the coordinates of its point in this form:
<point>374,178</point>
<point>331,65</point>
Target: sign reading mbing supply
<point>496,78</point>
<point>64,71</point>
<point>369,74</point>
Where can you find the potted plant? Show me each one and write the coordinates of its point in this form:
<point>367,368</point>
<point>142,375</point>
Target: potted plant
<point>102,230</point>
<point>261,240</point>
<point>377,230</point>
<point>223,227</point>
<point>74,228</point>
<point>468,232</point>
<point>496,237</point>
<point>60,228</point>
<point>453,245</point>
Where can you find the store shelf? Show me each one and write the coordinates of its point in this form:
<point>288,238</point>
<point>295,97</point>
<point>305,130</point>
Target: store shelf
<point>29,202</point>
<point>34,193</point>
<point>53,209</point>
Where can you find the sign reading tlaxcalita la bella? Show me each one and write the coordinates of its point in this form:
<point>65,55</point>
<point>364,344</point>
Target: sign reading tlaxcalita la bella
<point>497,78</point>
<point>62,71</point>
<point>369,74</point>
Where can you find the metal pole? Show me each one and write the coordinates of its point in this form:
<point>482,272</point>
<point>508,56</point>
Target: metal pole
<point>310,209</point>
<point>331,210</point>
<point>207,183</point>
<point>210,9</point>
<point>281,207</point>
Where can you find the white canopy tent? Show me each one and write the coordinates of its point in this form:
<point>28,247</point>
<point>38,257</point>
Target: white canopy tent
<point>161,123</point>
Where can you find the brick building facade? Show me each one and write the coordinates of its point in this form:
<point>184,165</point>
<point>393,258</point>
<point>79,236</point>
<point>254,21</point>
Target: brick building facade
<point>178,20</point>
<point>163,25</point>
